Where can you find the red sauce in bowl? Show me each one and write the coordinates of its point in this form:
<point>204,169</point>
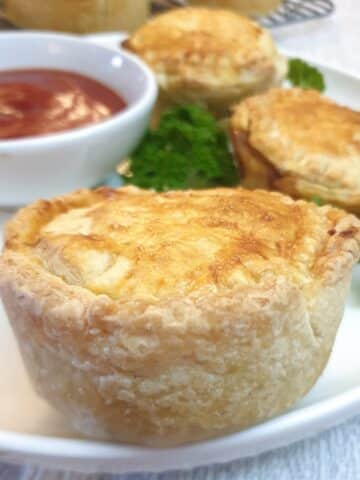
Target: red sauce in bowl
<point>38,102</point>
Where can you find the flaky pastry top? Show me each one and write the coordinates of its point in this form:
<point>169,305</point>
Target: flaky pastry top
<point>133,244</point>
<point>302,132</point>
<point>199,46</point>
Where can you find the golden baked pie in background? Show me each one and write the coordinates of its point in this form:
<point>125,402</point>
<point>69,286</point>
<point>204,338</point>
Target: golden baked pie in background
<point>210,57</point>
<point>301,143</point>
<point>169,318</point>
<point>78,16</point>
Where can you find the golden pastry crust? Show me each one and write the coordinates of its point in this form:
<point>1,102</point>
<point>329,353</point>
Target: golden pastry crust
<point>209,56</point>
<point>77,16</point>
<point>301,143</point>
<point>226,295</point>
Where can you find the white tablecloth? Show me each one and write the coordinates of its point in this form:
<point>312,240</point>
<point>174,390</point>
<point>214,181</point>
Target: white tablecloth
<point>334,40</point>
<point>333,455</point>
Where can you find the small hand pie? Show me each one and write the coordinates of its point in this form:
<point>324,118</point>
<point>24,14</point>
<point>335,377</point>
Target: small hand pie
<point>211,57</point>
<point>301,143</point>
<point>169,318</point>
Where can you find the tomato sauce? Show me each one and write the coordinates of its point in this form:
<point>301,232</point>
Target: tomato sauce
<point>39,102</point>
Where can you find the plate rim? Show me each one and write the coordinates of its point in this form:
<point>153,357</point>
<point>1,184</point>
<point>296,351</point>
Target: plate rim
<point>121,458</point>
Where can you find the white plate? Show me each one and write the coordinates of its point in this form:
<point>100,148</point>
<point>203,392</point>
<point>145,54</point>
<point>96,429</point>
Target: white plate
<point>31,431</point>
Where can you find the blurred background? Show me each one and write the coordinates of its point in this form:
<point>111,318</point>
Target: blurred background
<point>87,16</point>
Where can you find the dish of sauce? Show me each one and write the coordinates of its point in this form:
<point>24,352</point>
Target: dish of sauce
<point>38,102</point>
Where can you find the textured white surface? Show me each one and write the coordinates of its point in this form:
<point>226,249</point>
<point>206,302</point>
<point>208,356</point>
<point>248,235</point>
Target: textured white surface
<point>333,455</point>
<point>335,40</point>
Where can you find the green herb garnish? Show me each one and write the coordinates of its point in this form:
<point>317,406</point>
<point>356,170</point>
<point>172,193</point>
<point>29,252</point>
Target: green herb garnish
<point>303,75</point>
<point>318,200</point>
<point>187,150</point>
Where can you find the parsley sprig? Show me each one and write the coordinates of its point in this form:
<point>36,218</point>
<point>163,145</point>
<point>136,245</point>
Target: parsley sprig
<point>187,150</point>
<point>303,75</point>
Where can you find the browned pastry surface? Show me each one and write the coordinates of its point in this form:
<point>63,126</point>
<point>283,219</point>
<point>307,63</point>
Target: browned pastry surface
<point>301,143</point>
<point>208,56</point>
<point>169,318</point>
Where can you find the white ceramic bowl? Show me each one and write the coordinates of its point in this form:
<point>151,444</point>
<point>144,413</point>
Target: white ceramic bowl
<point>44,166</point>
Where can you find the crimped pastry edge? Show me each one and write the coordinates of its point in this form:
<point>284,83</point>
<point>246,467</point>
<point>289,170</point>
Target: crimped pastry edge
<point>95,359</point>
<point>176,382</point>
<point>260,171</point>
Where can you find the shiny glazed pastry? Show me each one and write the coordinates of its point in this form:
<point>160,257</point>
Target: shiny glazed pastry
<point>301,143</point>
<point>168,318</point>
<point>211,57</point>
